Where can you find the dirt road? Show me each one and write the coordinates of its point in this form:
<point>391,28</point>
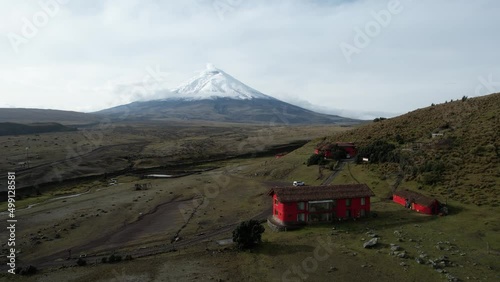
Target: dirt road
<point>116,241</point>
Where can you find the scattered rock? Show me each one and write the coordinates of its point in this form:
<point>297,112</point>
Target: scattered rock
<point>440,263</point>
<point>419,260</point>
<point>451,278</point>
<point>439,270</point>
<point>402,255</point>
<point>371,243</point>
<point>395,248</point>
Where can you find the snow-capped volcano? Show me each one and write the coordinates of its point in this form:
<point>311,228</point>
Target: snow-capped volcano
<point>214,83</point>
<point>214,95</point>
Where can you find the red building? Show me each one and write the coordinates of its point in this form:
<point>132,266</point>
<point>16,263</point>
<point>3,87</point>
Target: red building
<point>349,147</point>
<point>416,201</point>
<point>327,149</point>
<point>310,204</point>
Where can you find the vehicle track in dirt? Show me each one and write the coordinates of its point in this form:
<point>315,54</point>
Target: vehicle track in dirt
<point>60,259</point>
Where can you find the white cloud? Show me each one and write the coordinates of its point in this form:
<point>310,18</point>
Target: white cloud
<point>89,52</point>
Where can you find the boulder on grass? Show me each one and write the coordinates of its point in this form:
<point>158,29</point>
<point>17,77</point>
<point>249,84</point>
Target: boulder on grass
<point>371,243</point>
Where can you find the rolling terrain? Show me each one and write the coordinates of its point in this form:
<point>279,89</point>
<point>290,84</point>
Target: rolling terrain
<point>9,128</point>
<point>26,116</point>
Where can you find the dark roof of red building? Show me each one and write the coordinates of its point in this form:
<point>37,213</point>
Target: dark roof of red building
<point>415,197</point>
<point>329,146</point>
<point>345,144</point>
<point>315,193</point>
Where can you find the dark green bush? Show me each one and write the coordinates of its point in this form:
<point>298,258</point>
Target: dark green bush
<point>114,258</point>
<point>379,152</point>
<point>81,262</point>
<point>248,234</point>
<point>315,159</point>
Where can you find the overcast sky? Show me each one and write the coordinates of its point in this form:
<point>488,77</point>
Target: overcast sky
<point>355,58</point>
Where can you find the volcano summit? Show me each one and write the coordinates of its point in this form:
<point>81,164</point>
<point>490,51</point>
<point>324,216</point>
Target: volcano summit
<point>214,95</point>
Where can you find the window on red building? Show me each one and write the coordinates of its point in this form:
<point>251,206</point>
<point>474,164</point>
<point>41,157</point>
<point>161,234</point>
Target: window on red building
<point>301,217</point>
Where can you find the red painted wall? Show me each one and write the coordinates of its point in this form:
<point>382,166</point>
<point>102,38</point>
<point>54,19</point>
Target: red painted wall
<point>355,207</point>
<point>399,200</point>
<point>287,212</point>
<point>415,206</point>
<point>278,209</point>
<point>425,209</point>
<point>351,151</point>
<point>328,154</point>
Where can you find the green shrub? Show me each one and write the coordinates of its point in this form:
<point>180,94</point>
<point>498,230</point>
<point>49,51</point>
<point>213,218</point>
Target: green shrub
<point>431,178</point>
<point>114,258</point>
<point>379,152</point>
<point>248,234</point>
<point>315,159</point>
<point>399,139</point>
<point>379,119</point>
<point>81,262</point>
<point>28,270</point>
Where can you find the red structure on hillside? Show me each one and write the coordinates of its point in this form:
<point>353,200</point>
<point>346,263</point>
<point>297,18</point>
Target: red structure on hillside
<point>416,202</point>
<point>327,149</point>
<point>310,204</point>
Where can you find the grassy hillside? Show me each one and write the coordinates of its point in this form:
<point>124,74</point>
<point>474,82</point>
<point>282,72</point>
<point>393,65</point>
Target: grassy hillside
<point>19,115</point>
<point>9,128</point>
<point>462,162</point>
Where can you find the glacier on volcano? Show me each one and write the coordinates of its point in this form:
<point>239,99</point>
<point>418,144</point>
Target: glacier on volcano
<point>213,83</point>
